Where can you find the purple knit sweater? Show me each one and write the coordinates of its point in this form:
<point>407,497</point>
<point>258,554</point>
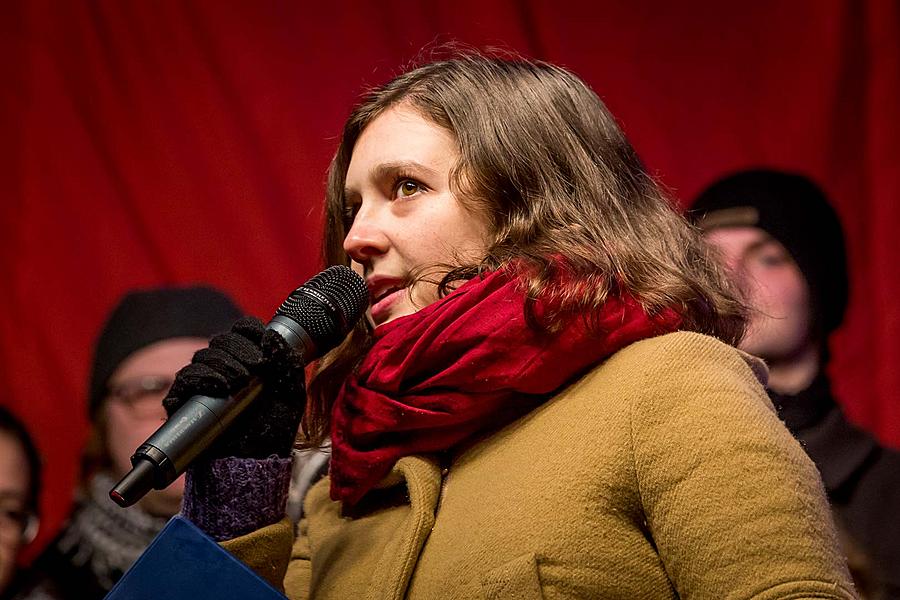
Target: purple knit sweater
<point>228,497</point>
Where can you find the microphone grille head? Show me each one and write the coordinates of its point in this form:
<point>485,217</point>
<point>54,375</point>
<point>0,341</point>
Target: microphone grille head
<point>327,306</point>
<point>347,289</point>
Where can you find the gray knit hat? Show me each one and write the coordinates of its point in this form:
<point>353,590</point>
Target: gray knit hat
<point>144,317</point>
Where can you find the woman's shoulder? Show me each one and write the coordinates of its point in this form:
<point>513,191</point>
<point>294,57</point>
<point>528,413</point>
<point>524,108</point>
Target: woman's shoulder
<point>681,375</point>
<point>681,359</point>
<point>689,348</point>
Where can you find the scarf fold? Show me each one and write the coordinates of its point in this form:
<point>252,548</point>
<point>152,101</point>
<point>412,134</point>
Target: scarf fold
<point>463,365</point>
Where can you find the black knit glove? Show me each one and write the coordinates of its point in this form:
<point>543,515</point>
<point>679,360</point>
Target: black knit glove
<point>269,425</point>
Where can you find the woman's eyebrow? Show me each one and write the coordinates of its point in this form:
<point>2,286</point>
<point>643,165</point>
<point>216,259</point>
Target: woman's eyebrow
<point>391,169</point>
<point>402,166</point>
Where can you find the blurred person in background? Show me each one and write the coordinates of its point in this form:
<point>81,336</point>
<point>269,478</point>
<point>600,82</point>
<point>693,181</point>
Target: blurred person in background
<point>20,482</point>
<point>147,338</point>
<point>781,239</point>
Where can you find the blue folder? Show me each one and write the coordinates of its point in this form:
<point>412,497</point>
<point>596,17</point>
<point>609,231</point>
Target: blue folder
<point>182,562</point>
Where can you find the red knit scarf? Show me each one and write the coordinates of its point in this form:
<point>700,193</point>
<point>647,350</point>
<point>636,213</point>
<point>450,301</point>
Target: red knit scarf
<point>463,365</point>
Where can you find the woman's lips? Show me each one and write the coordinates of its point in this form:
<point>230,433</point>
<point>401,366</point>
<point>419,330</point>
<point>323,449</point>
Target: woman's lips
<point>381,308</point>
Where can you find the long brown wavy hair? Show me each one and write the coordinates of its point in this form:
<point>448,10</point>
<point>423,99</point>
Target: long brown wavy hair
<point>543,160</point>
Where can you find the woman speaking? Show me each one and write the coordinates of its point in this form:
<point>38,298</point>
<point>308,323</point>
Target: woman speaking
<point>543,401</point>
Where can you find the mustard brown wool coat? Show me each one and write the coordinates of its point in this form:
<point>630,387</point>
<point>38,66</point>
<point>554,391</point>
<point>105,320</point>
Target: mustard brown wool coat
<point>662,473</point>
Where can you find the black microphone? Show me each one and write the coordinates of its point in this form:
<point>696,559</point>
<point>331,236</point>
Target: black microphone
<point>312,320</point>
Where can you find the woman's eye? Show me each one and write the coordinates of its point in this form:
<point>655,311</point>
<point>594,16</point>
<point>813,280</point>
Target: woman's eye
<point>350,214</point>
<point>407,187</point>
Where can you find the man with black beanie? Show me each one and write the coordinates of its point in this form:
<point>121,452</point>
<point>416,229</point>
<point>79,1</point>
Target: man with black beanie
<point>147,338</point>
<point>783,243</point>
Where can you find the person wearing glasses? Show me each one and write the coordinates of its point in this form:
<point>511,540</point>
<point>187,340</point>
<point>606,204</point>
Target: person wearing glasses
<point>20,482</point>
<point>149,336</point>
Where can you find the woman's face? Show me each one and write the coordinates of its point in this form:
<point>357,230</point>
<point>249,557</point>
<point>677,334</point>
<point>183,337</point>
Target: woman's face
<point>404,215</point>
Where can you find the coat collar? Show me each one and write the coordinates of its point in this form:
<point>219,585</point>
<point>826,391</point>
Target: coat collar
<point>421,477</point>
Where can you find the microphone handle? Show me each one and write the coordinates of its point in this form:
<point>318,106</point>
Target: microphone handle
<point>189,431</point>
<point>313,318</point>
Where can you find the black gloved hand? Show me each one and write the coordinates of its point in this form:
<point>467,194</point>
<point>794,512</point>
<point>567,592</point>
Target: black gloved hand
<point>269,425</point>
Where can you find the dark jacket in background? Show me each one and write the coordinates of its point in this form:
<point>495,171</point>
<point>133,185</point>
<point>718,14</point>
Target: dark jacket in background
<point>861,476</point>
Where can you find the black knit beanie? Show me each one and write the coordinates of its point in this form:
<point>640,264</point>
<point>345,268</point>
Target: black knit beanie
<point>794,211</point>
<point>144,317</point>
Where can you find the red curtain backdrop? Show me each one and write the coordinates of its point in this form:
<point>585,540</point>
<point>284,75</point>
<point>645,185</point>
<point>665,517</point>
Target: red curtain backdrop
<point>148,143</point>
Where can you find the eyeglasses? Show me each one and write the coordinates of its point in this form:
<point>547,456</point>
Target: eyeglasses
<point>17,523</point>
<point>142,395</point>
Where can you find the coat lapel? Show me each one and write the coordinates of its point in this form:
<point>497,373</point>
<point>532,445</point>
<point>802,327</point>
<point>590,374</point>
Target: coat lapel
<point>422,479</point>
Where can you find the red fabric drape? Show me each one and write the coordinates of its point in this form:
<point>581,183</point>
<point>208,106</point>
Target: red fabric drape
<point>159,142</point>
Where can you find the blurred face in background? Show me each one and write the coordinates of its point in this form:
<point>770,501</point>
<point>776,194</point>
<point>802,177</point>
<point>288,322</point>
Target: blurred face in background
<point>780,324</point>
<point>14,503</point>
<point>133,410</point>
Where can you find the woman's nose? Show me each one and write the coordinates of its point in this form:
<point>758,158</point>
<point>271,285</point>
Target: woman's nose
<point>367,237</point>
